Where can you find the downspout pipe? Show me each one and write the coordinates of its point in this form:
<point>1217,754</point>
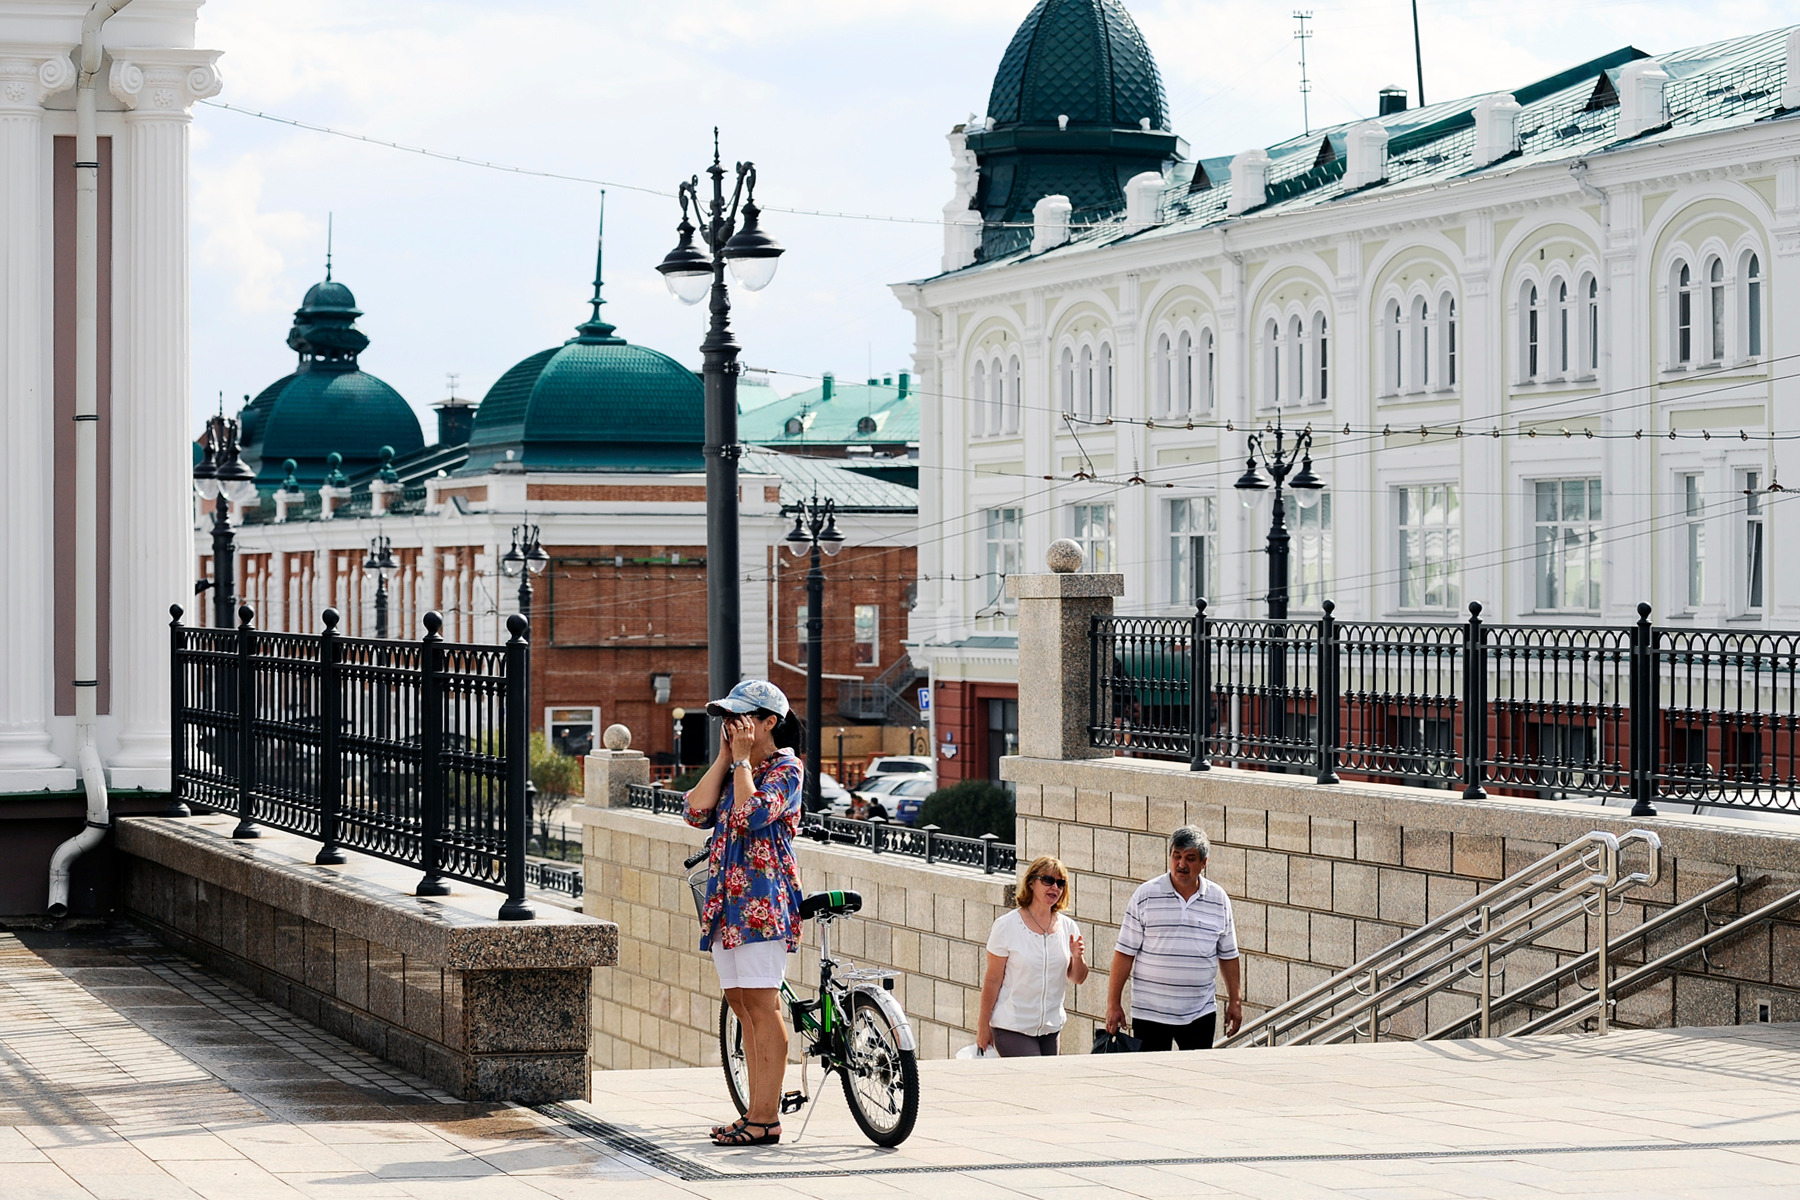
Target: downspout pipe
<point>87,459</point>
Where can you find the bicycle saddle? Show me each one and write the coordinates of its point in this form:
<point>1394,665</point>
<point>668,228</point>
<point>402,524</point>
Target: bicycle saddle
<point>832,904</point>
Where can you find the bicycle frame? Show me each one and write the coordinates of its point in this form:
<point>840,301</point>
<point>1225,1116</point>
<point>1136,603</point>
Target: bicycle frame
<point>822,1019</point>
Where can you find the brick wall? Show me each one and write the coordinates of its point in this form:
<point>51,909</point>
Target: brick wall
<point>659,1007</point>
<point>1321,876</point>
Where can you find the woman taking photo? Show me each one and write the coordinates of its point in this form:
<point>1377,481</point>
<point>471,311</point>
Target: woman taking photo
<point>750,797</point>
<point>1033,954</point>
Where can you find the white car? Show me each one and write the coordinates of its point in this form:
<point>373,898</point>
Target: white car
<point>902,764</point>
<point>833,796</point>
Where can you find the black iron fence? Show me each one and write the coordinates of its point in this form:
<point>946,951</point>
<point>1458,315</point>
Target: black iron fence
<point>1643,713</point>
<point>416,752</point>
<point>986,853</point>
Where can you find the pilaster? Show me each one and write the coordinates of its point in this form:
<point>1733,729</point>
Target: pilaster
<point>153,546</point>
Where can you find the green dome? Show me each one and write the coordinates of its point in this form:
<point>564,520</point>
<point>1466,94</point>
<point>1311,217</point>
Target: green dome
<point>311,413</point>
<point>1083,60</point>
<point>594,403</point>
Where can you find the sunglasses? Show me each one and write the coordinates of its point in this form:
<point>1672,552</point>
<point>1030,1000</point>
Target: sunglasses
<point>1051,881</point>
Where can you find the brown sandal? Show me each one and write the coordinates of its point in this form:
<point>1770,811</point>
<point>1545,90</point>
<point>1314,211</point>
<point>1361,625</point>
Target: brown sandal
<point>741,1136</point>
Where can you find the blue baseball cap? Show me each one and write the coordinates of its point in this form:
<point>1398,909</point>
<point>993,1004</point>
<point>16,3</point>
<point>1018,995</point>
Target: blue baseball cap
<point>749,696</point>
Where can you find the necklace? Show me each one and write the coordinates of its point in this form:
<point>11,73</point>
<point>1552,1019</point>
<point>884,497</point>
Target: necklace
<point>1032,925</point>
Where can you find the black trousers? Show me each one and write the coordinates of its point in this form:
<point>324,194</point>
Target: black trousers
<point>1195,1035</point>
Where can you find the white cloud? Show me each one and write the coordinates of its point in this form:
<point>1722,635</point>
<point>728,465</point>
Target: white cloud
<point>241,240</point>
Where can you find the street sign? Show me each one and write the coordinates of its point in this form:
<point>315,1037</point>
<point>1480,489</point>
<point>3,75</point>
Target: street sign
<point>924,699</point>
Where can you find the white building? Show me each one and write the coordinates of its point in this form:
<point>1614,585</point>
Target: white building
<point>1540,338</point>
<point>150,75</point>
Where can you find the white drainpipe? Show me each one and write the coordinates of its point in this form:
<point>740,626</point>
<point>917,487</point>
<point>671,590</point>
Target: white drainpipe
<point>87,459</point>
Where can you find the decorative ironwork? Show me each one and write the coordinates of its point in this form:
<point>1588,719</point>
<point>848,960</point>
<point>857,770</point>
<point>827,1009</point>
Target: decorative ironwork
<point>412,752</point>
<point>1697,716</point>
<point>986,853</point>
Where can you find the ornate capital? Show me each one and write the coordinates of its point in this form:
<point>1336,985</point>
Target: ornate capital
<point>30,75</point>
<point>153,82</point>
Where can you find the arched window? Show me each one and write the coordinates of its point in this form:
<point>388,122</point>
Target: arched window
<point>1684,314</point>
<point>1296,337</point>
<point>1562,327</point>
<point>1390,337</point>
<point>1165,394</point>
<point>1184,372</point>
<point>1084,406</point>
<point>1715,310</point>
<point>1447,340</point>
<point>1753,320</point>
<point>978,400</point>
<point>1420,374</point>
<point>1591,358</point>
<point>1322,357</point>
<point>1012,396</point>
<point>1531,332</point>
<point>996,407</point>
<point>1209,393</point>
<point>1068,380</point>
<point>1105,405</point>
<point>1273,334</point>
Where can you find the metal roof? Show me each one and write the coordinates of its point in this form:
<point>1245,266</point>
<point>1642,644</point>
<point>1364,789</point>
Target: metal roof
<point>856,414</point>
<point>830,478</point>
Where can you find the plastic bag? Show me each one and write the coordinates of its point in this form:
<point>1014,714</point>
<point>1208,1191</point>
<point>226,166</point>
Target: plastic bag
<point>974,1051</point>
<point>1115,1043</point>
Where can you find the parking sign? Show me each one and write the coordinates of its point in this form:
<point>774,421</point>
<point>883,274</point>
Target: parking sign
<point>924,699</point>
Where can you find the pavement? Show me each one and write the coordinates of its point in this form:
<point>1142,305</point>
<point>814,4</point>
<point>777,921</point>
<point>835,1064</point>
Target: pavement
<point>129,1073</point>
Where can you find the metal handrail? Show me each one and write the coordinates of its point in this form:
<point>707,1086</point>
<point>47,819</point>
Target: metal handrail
<point>1580,877</point>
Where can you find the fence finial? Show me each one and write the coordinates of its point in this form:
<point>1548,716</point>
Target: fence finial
<point>329,618</point>
<point>434,624</point>
<point>1474,608</point>
<point>246,615</point>
<point>174,614</point>
<point>519,627</point>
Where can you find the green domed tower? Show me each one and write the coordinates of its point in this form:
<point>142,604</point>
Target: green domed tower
<point>329,404</point>
<point>594,403</point>
<point>1077,108</point>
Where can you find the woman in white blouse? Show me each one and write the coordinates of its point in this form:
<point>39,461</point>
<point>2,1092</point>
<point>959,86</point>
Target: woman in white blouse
<point>1033,954</point>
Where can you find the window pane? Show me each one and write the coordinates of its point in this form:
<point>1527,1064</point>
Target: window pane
<point>867,645</point>
<point>1546,502</point>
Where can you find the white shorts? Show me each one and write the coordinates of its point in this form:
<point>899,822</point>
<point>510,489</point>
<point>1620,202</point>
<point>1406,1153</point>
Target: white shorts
<point>753,965</point>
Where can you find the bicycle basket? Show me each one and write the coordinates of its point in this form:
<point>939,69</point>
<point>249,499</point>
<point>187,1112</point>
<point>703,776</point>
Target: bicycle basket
<point>696,881</point>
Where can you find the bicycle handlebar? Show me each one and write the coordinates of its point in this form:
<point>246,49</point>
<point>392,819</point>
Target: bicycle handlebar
<point>693,860</point>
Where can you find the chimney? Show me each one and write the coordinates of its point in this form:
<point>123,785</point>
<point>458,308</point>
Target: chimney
<point>905,384</point>
<point>825,387</point>
<point>1050,223</point>
<point>1367,155</point>
<point>1143,195</point>
<point>1790,91</point>
<point>1641,107</point>
<point>1496,127</point>
<point>1390,100</point>
<point>456,421</point>
<point>1249,181</point>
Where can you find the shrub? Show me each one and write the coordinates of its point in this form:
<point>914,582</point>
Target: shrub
<point>970,809</point>
<point>557,775</point>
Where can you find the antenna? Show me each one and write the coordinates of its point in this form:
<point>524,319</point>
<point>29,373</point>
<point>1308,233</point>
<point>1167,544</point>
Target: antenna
<point>328,247</point>
<point>1418,56</point>
<point>1301,34</point>
<point>451,379</point>
<point>599,257</point>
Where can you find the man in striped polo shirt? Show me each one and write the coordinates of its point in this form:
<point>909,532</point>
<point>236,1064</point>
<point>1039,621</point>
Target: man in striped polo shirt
<point>1177,938</point>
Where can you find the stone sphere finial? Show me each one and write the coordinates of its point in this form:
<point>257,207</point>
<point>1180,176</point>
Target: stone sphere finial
<point>1064,556</point>
<point>616,738</point>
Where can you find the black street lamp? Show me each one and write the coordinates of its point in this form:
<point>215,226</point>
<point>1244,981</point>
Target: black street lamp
<point>525,559</point>
<point>815,529</point>
<point>693,272</point>
<point>1306,487</point>
<point>677,715</point>
<point>380,561</point>
<point>222,479</point>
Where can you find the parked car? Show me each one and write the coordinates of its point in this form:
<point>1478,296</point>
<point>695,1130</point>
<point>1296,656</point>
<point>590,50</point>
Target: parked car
<point>834,797</point>
<point>901,764</point>
<point>909,796</point>
<point>869,798</point>
<point>892,797</point>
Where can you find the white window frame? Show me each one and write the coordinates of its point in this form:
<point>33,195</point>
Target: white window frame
<point>857,641</point>
<point>1002,555</point>
<point>1594,551</point>
<point>1422,499</point>
<point>1081,517</point>
<point>1691,518</point>
<point>1190,519</point>
<point>1751,515</point>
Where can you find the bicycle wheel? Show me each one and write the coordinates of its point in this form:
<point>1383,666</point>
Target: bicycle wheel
<point>731,1057</point>
<point>881,1081</point>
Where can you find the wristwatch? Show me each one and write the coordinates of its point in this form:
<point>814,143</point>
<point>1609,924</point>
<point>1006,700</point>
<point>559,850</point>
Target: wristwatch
<point>739,762</point>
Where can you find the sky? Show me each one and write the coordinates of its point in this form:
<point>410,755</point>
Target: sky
<point>842,104</point>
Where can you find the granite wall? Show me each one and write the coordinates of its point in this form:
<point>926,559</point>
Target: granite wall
<point>490,1010</point>
<point>659,1006</point>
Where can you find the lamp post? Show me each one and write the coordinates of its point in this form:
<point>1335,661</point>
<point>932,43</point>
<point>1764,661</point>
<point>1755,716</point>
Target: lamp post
<point>840,770</point>
<point>525,559</point>
<point>678,714</point>
<point>1306,487</point>
<point>692,274</point>
<point>815,529</point>
<point>380,561</point>
<point>222,479</point>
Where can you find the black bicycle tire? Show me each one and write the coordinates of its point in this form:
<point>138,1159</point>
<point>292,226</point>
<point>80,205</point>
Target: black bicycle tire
<point>909,1080</point>
<point>728,1025</point>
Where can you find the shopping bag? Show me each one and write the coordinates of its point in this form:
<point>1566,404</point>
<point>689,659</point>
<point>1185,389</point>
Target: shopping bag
<point>974,1051</point>
<point>1115,1043</point>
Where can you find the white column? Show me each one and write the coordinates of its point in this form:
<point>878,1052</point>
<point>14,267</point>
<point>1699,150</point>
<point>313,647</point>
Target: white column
<point>152,542</point>
<point>28,75</point>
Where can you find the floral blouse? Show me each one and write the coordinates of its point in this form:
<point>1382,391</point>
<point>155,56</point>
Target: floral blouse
<point>753,879</point>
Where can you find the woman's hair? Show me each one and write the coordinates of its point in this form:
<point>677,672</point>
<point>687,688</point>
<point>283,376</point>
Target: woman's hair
<point>1041,866</point>
<point>789,732</point>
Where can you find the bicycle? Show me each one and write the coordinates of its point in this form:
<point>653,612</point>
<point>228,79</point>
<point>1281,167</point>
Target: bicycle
<point>855,1027</point>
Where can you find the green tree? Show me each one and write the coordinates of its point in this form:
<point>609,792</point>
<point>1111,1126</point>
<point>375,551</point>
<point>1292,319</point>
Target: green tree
<point>969,809</point>
<point>558,776</point>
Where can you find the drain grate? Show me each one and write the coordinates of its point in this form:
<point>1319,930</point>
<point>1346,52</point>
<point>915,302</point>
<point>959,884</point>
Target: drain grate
<point>686,1169</point>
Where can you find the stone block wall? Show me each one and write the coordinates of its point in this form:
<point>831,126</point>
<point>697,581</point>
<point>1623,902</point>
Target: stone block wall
<point>1321,876</point>
<point>490,1010</point>
<point>659,1006</point>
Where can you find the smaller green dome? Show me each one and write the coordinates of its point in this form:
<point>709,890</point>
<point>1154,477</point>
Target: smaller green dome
<point>329,296</point>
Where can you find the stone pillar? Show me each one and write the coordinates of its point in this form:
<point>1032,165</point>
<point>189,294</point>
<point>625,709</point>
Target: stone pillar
<point>28,76</point>
<point>153,543</point>
<point>610,771</point>
<point>1055,662</point>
